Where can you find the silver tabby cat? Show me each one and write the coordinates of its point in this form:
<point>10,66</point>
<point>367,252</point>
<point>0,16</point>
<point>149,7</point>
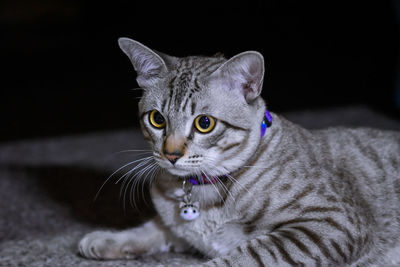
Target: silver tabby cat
<point>291,197</point>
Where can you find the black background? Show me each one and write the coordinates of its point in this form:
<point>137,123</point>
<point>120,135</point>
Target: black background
<point>63,73</point>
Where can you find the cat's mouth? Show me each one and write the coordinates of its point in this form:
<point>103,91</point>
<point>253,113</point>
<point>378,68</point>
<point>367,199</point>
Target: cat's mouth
<point>195,176</point>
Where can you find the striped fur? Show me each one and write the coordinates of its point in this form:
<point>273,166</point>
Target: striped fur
<point>294,197</point>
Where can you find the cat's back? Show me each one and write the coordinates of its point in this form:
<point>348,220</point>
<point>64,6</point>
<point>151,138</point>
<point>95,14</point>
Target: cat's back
<point>364,148</point>
<point>369,160</point>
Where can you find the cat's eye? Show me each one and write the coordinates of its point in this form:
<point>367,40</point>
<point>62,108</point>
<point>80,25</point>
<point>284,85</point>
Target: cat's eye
<point>156,119</point>
<point>204,124</point>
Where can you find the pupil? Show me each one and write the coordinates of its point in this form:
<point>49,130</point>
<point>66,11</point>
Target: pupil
<point>158,118</point>
<point>204,122</point>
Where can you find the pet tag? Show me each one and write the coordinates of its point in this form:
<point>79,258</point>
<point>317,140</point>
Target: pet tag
<point>189,211</point>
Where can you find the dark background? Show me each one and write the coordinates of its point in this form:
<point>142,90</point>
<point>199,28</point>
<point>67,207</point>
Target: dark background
<point>63,73</point>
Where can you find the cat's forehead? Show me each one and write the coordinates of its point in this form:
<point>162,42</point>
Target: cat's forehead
<point>199,63</point>
<point>188,71</point>
<point>185,84</point>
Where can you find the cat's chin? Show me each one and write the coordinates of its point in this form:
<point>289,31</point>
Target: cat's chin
<point>179,172</point>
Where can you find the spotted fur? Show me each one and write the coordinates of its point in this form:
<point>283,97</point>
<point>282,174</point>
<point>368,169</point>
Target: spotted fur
<point>292,198</point>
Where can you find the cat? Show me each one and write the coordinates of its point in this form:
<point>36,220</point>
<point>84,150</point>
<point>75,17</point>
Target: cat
<point>260,190</point>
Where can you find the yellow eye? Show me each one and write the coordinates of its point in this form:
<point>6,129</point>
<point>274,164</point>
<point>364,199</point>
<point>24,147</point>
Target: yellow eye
<point>156,119</point>
<point>204,124</point>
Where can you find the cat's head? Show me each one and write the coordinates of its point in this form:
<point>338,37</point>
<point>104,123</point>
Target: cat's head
<point>201,115</point>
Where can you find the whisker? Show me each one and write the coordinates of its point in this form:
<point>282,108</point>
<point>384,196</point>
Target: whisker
<point>234,180</point>
<point>130,178</point>
<point>202,194</point>
<point>226,190</point>
<point>143,151</point>
<point>230,177</point>
<point>127,182</point>
<point>223,186</point>
<point>154,174</point>
<point>144,161</point>
<point>220,182</point>
<point>139,179</point>
<point>109,177</point>
<point>136,179</point>
<point>216,189</point>
<point>127,179</point>
<point>150,171</point>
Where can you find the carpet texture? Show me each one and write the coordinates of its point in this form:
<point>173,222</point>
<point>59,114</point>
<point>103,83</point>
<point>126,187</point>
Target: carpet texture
<point>47,190</point>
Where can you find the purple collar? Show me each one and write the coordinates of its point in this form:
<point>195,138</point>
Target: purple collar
<point>266,122</point>
<point>203,180</point>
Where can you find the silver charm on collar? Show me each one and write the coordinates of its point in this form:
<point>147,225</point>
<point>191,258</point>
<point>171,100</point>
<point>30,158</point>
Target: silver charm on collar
<point>189,211</point>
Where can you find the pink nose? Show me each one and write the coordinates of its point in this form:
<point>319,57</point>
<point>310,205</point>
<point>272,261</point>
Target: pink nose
<point>172,157</point>
<point>174,147</point>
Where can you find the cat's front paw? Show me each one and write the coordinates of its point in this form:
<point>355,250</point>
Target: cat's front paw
<point>107,245</point>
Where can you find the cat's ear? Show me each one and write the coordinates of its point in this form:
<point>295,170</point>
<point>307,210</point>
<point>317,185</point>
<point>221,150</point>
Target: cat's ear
<point>148,64</point>
<point>243,73</point>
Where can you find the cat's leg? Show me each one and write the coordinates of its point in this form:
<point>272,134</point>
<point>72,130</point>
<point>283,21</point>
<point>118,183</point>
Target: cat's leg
<point>304,244</point>
<point>150,238</point>
<point>262,252</point>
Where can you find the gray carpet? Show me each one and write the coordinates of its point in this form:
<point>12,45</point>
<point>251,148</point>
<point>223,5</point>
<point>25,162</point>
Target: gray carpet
<point>47,189</point>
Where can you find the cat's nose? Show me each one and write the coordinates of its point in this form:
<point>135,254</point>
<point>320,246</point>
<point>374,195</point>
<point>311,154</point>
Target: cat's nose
<point>174,147</point>
<point>173,157</point>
